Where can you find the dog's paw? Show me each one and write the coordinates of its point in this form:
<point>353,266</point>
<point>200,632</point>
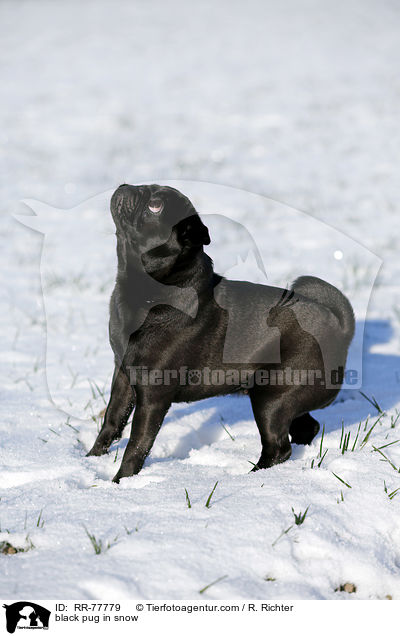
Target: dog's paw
<point>303,429</point>
<point>267,461</point>
<point>97,451</point>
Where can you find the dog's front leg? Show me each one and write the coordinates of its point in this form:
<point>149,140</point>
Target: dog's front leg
<point>147,419</point>
<point>122,401</point>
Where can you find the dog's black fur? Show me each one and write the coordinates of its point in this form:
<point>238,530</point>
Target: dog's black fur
<point>169,310</point>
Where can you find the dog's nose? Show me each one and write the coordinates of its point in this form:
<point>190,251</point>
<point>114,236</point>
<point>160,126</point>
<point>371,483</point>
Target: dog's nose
<point>125,188</point>
<point>128,192</point>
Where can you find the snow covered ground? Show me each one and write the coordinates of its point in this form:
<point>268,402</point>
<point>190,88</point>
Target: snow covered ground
<point>297,102</point>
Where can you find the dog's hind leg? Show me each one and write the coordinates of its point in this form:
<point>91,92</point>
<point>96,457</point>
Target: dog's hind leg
<point>120,406</point>
<point>303,429</point>
<point>273,419</point>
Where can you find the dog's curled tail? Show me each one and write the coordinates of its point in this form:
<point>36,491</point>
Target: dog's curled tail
<point>325,294</point>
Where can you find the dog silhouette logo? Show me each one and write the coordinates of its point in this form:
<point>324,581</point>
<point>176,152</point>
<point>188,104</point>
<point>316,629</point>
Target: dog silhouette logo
<point>77,272</point>
<point>26,615</point>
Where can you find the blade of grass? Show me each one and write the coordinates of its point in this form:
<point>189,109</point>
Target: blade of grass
<point>342,480</point>
<point>373,402</point>
<point>396,441</point>
<point>366,438</point>
<point>206,587</point>
<point>341,437</point>
<point>208,502</point>
<point>386,459</point>
<point>100,392</point>
<point>226,431</point>
<point>341,497</point>
<point>96,544</point>
<point>345,444</point>
<point>322,440</point>
<point>393,420</point>
<point>322,458</point>
<point>355,441</point>
<point>38,524</point>
<point>299,519</point>
<point>70,425</point>
<point>92,389</point>
<point>281,535</point>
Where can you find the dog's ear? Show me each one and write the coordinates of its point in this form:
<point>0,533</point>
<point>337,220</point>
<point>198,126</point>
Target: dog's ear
<point>192,231</point>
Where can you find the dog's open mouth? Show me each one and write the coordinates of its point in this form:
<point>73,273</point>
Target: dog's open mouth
<point>156,206</point>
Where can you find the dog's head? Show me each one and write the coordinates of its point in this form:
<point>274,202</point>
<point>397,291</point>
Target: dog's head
<point>148,216</point>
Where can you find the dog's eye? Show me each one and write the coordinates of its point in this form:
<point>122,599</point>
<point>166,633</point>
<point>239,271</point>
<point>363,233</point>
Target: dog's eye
<point>155,206</point>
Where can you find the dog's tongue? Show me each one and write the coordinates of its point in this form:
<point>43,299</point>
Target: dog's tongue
<point>156,206</point>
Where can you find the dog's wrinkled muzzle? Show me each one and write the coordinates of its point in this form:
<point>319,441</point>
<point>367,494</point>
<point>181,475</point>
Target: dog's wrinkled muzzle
<point>125,195</point>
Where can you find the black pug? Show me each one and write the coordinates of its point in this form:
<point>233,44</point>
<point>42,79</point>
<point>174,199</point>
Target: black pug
<point>181,333</point>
